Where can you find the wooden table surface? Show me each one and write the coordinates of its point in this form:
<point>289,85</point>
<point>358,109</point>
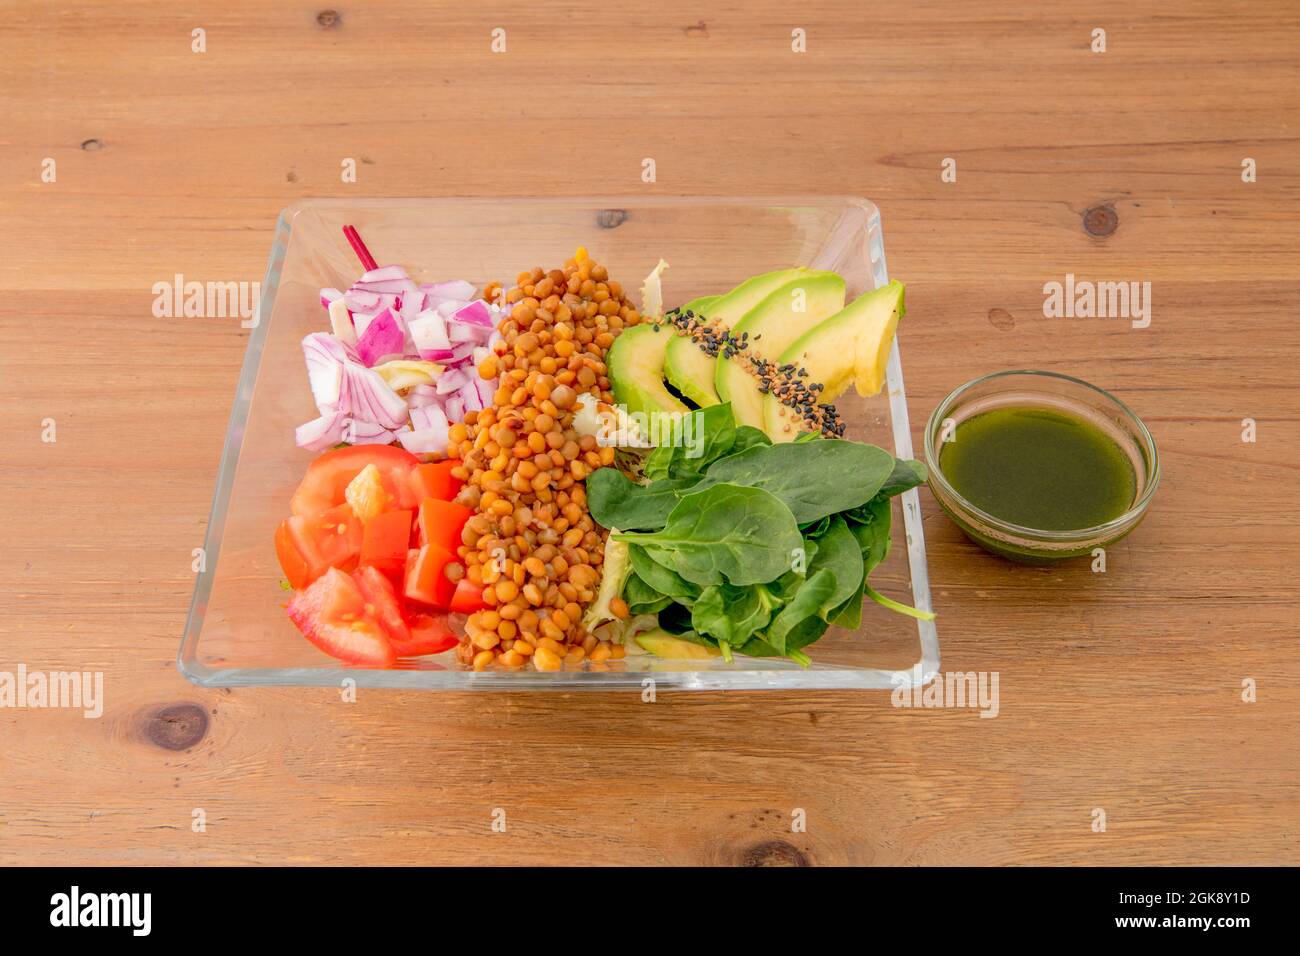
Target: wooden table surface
<point>1120,691</point>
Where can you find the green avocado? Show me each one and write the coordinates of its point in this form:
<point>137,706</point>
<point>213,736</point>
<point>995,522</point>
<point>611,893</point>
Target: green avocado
<point>662,644</point>
<point>692,372</point>
<point>786,313</point>
<point>688,368</point>
<point>851,346</point>
<point>636,370</point>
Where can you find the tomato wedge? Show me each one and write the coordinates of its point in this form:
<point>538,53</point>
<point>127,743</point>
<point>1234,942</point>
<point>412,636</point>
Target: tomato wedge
<point>441,523</point>
<point>430,634</point>
<point>385,540</point>
<point>436,480</point>
<point>308,546</point>
<point>468,597</point>
<point>337,535</point>
<point>333,615</point>
<point>296,567</point>
<point>426,578</point>
<point>328,476</point>
<point>382,603</point>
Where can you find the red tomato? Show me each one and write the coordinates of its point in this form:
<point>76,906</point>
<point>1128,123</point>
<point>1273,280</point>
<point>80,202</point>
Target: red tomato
<point>436,480</point>
<point>384,541</point>
<point>327,477</point>
<point>332,614</point>
<point>468,597</point>
<point>382,602</point>
<point>292,562</point>
<point>441,523</point>
<point>308,546</point>
<point>337,536</point>
<point>430,634</point>
<point>426,580</point>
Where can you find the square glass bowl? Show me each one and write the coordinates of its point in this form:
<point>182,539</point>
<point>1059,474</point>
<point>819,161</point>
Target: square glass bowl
<point>238,634</point>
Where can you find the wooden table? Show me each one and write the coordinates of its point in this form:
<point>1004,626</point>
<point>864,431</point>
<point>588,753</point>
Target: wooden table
<point>1121,691</point>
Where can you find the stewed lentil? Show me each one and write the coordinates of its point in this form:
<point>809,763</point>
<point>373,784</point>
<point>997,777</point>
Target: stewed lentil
<point>531,545</point>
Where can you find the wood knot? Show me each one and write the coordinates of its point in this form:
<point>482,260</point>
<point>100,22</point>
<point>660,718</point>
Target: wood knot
<point>91,145</point>
<point>329,19</point>
<point>611,218</point>
<point>1002,320</point>
<point>774,853</point>
<point>1100,221</point>
<point>175,726</point>
<point>697,29</point>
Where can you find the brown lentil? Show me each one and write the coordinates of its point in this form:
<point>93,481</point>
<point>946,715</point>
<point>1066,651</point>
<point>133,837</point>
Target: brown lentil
<point>523,467</point>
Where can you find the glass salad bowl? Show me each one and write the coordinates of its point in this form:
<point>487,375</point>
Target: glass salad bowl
<point>238,633</point>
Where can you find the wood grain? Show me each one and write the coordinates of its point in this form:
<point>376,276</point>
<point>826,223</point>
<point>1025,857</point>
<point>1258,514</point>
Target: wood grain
<point>1119,690</point>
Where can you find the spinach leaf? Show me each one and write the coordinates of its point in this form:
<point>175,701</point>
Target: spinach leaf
<point>727,533</point>
<point>869,526</point>
<point>806,632</point>
<point>814,479</point>
<point>616,501</point>
<point>641,598</point>
<point>695,442</point>
<point>807,602</point>
<point>839,553</point>
<point>907,474</point>
<point>658,463</point>
<point>732,615</point>
<point>663,580</point>
<point>816,528</point>
<point>747,436</point>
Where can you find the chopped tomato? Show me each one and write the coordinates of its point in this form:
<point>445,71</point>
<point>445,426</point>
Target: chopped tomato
<point>426,578</point>
<point>436,480</point>
<point>337,535</point>
<point>327,478</point>
<point>441,523</point>
<point>292,562</point>
<point>332,614</point>
<point>382,603</point>
<point>430,634</point>
<point>468,597</point>
<point>384,541</point>
<point>308,546</point>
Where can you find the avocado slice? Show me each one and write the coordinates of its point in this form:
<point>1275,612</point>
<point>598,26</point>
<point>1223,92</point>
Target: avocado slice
<point>662,644</point>
<point>852,345</point>
<point>692,372</point>
<point>773,324</point>
<point>636,370</point>
<point>688,368</point>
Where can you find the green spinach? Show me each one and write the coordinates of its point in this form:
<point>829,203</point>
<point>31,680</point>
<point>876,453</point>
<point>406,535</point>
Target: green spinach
<point>727,533</point>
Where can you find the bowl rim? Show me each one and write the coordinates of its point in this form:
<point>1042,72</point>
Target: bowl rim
<point>1071,536</point>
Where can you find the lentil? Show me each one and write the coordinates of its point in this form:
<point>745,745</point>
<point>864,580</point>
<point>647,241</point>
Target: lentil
<point>523,467</point>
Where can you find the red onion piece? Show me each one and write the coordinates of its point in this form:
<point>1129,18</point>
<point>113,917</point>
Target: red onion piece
<point>321,433</point>
<point>429,332</point>
<point>383,338</point>
<point>384,273</point>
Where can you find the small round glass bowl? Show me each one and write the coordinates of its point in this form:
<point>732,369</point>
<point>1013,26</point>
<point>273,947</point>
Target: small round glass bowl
<point>1061,393</point>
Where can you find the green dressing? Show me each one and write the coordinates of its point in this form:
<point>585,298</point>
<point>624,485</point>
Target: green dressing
<point>1039,468</point>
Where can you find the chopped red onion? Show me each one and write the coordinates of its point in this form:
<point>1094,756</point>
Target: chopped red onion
<point>383,338</point>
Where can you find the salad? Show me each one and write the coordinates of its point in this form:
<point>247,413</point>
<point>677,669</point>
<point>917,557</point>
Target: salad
<point>549,475</point>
